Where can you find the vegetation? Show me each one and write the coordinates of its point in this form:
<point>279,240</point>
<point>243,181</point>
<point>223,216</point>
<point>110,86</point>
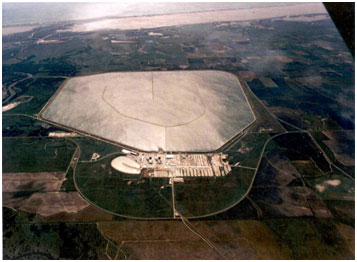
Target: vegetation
<point>28,154</point>
<point>205,196</point>
<point>24,126</point>
<point>280,218</point>
<point>41,89</point>
<point>122,194</point>
<point>24,240</point>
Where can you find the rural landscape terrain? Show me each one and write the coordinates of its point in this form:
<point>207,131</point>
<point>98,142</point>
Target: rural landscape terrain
<point>235,128</point>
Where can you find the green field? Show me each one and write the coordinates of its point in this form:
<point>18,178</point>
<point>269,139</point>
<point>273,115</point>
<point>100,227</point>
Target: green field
<point>36,154</point>
<point>333,186</point>
<point>134,196</point>
<point>122,194</point>
<point>248,150</point>
<point>89,146</point>
<point>20,125</point>
<point>320,137</point>
<point>26,240</point>
<point>205,196</point>
<point>41,90</point>
<point>305,243</point>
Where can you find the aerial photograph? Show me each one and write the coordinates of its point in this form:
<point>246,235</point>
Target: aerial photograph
<point>177,131</point>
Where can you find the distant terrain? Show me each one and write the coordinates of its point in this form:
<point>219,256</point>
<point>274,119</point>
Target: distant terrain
<point>290,191</point>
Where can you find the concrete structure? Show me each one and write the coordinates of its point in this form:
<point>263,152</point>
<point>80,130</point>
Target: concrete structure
<point>126,165</point>
<point>183,165</point>
<point>154,111</point>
